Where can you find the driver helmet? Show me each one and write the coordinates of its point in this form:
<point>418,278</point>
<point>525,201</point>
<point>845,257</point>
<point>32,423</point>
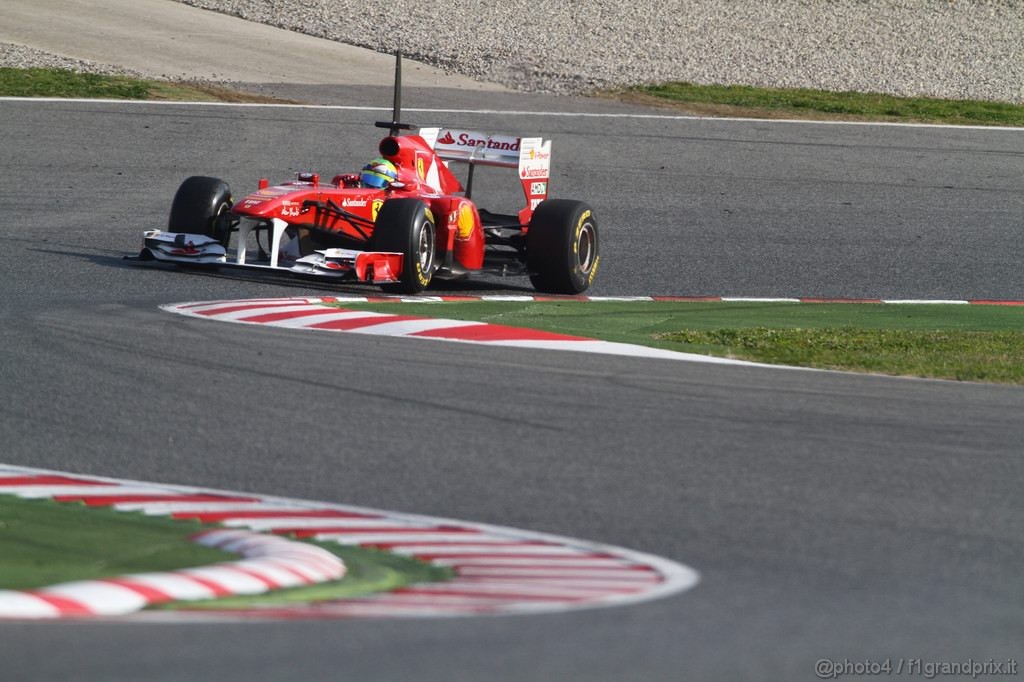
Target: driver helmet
<point>378,173</point>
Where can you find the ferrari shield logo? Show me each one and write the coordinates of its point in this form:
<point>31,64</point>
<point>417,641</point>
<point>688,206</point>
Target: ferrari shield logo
<point>375,208</point>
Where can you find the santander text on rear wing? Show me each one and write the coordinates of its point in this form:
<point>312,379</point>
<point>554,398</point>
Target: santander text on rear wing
<point>531,156</point>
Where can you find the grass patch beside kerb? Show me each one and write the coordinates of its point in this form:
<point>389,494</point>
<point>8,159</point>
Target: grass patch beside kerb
<point>43,543</point>
<point>746,101</point>
<point>964,342</point>
<point>72,84</point>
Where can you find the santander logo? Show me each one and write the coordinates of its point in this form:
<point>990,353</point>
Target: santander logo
<point>477,140</point>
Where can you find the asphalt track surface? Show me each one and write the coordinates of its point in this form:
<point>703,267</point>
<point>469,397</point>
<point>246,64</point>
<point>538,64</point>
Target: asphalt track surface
<point>830,515</point>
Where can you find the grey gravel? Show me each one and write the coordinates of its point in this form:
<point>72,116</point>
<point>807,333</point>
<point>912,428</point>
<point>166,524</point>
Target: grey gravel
<point>963,49</point>
<point>20,57</point>
<point>968,49</point>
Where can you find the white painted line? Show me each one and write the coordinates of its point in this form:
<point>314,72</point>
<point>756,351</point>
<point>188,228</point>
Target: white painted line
<point>503,112</point>
<point>620,299</point>
<point>513,299</point>
<point>744,299</point>
<point>925,302</point>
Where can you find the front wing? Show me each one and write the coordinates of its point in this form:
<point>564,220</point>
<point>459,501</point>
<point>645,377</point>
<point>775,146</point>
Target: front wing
<point>340,264</point>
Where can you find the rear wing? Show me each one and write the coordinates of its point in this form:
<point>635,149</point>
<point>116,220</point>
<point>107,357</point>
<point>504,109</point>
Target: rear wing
<point>531,156</point>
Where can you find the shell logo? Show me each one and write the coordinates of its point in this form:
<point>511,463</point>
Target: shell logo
<point>466,223</point>
<point>421,168</point>
<point>375,208</point>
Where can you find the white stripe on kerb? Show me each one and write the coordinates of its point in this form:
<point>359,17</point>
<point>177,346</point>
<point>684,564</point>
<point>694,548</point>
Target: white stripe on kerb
<point>312,320</point>
<point>241,315</point>
<point>173,585</point>
<point>405,327</point>
<point>15,604</point>
<point>306,522</point>
<point>39,491</point>
<point>105,599</point>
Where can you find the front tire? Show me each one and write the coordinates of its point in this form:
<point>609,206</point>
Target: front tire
<point>406,226</point>
<point>562,247</point>
<point>197,207</point>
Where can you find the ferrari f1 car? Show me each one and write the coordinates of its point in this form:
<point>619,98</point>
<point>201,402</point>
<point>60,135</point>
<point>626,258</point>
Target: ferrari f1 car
<point>420,226</point>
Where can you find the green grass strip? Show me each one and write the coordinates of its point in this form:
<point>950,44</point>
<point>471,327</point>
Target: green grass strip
<point>44,542</point>
<point>63,83</point>
<point>72,84</point>
<point>797,102</point>
<point>965,342</point>
<point>963,355</point>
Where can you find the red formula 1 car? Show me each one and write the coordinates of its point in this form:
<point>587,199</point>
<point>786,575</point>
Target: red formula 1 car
<point>419,224</point>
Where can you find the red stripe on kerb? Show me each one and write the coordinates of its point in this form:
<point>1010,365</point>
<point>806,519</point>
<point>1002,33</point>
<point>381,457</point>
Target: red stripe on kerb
<point>151,594</point>
<point>67,607</point>
<point>213,517</point>
<point>360,322</point>
<point>987,302</point>
<point>47,480</point>
<point>274,317</point>
<point>107,500</point>
<point>496,332</point>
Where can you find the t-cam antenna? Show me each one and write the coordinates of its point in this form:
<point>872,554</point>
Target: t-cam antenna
<point>396,111</point>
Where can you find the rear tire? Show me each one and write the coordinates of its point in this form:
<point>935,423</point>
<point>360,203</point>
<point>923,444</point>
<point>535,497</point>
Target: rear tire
<point>562,247</point>
<point>406,226</point>
<point>197,207</point>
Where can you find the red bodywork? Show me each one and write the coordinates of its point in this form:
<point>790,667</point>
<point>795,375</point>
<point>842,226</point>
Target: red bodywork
<point>421,175</point>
